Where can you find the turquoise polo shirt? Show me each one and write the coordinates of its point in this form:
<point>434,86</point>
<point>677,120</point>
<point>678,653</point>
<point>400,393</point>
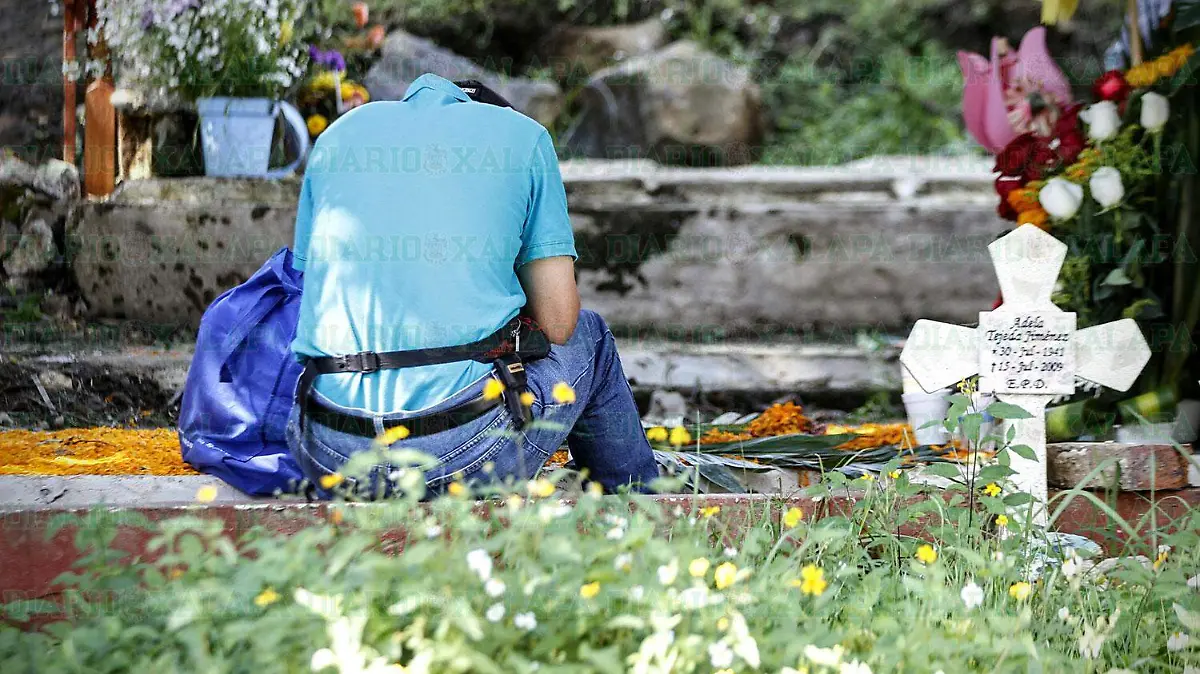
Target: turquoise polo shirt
<point>414,216</point>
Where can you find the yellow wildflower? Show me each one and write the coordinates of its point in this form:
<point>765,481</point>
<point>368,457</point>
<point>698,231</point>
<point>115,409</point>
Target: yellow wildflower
<point>698,567</point>
<point>286,31</point>
<point>1002,521</point>
<point>710,511</point>
<point>515,501</point>
<point>992,489</point>
<point>1020,591</point>
<point>792,517</point>
<point>324,81</point>
<point>331,480</point>
<point>1058,11</point>
<point>867,477</point>
<point>926,554</point>
<point>722,623</point>
<point>540,488</point>
<point>595,489</point>
<point>175,573</point>
<point>206,494</point>
<point>392,435</point>
<point>725,575</point>
<point>527,399</point>
<point>656,434</point>
<point>456,489</point>
<point>1161,558</point>
<point>336,516</point>
<point>563,393</point>
<point>317,124</point>
<point>895,475</point>
<point>493,389</point>
<point>680,436</point>
<point>266,597</point>
<point>590,590</point>
<point>812,581</point>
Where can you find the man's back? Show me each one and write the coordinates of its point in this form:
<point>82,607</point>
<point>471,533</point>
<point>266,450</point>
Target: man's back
<point>413,217</point>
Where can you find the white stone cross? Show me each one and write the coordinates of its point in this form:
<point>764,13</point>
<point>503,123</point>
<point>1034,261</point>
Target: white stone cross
<point>1027,351</point>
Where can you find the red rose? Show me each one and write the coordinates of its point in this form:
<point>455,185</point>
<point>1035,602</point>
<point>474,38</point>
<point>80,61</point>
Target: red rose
<point>1071,140</point>
<point>1027,156</point>
<point>1004,187</point>
<point>1111,86</point>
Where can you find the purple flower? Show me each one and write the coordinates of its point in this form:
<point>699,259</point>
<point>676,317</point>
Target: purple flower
<point>331,59</point>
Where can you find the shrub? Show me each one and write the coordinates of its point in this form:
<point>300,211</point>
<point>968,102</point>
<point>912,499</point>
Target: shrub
<point>527,584</point>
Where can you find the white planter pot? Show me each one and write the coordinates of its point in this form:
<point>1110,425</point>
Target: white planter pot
<point>236,135</point>
<point>925,407</point>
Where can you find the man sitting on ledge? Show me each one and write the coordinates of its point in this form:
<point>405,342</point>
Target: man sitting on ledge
<point>438,260</point>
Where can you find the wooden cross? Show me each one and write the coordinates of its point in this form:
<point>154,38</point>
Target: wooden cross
<point>1027,351</point>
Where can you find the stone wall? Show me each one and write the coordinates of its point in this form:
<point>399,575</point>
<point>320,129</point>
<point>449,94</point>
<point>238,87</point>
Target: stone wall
<point>694,255</point>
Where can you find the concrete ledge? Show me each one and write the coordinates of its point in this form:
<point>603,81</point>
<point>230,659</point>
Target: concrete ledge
<point>129,491</point>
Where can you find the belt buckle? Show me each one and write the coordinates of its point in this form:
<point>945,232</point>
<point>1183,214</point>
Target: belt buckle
<point>369,362</point>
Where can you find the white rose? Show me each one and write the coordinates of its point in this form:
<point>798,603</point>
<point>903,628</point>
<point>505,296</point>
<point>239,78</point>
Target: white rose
<point>1155,111</point>
<point>1106,186</point>
<point>1102,119</point>
<point>1061,198</point>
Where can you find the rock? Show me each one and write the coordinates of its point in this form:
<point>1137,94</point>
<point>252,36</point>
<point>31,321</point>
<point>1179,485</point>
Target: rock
<point>680,105</point>
<point>55,381</point>
<point>586,49</point>
<point>1129,467</point>
<point>667,408</point>
<point>726,418</point>
<point>55,179</point>
<point>5,419</point>
<point>34,252</point>
<point>405,57</point>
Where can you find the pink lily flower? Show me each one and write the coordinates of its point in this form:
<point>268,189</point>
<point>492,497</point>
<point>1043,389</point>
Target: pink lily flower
<point>1016,92</point>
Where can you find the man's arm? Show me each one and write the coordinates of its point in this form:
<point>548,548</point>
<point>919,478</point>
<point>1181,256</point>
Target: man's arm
<point>552,298</point>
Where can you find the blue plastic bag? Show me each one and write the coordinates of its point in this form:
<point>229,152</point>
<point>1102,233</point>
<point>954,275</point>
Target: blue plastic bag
<point>240,387</point>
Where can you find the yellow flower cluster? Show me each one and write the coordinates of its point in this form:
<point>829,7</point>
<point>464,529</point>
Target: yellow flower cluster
<point>1146,74</point>
<point>1079,172</point>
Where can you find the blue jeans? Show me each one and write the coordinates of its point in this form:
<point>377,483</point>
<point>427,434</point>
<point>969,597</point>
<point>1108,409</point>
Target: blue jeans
<point>601,427</point>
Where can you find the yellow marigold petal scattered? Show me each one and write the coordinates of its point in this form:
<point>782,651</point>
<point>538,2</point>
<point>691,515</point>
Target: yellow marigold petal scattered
<point>493,389</point>
<point>656,434</point>
<point>527,399</point>
<point>392,435</point>
<point>332,480</point>
<point>206,494</point>
<point>698,567</point>
<point>679,436</point>
<point>316,124</point>
<point>1020,591</point>
<point>926,554</point>
<point>725,575</point>
<point>792,517</point>
<point>563,393</point>
<point>266,597</point>
<point>589,590</point>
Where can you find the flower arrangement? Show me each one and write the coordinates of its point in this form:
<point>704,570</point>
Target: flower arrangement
<point>188,49</point>
<point>329,90</point>
<point>1107,178</point>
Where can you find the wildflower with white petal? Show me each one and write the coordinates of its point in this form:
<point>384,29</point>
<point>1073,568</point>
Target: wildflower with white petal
<point>495,613</point>
<point>479,561</point>
<point>615,534</point>
<point>433,531</point>
<point>637,592</point>
<point>1178,641</point>
<point>1070,566</point>
<point>1194,582</point>
<point>731,552</point>
<point>972,595</point>
<point>1091,641</point>
<point>525,621</point>
<point>826,657</point>
<point>720,655</point>
<point>494,587</point>
<point>668,573</point>
<point>854,667</point>
<point>697,597</point>
<point>744,645</point>
<point>1064,614</point>
<point>623,562</point>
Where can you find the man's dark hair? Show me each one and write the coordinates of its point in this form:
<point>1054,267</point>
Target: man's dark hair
<point>481,93</point>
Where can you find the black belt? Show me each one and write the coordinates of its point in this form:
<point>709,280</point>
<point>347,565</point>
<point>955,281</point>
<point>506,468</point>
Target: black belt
<point>506,349</point>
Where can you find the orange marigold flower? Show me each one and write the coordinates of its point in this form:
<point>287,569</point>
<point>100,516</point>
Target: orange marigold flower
<point>1024,199</point>
<point>1036,217</point>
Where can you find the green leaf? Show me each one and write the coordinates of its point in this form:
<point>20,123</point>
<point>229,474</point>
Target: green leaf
<point>1117,277</point>
<point>1002,410</point>
<point>995,473</point>
<point>944,469</point>
<point>1190,619</point>
<point>1017,499</point>
<point>1023,451</point>
<point>970,426</point>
